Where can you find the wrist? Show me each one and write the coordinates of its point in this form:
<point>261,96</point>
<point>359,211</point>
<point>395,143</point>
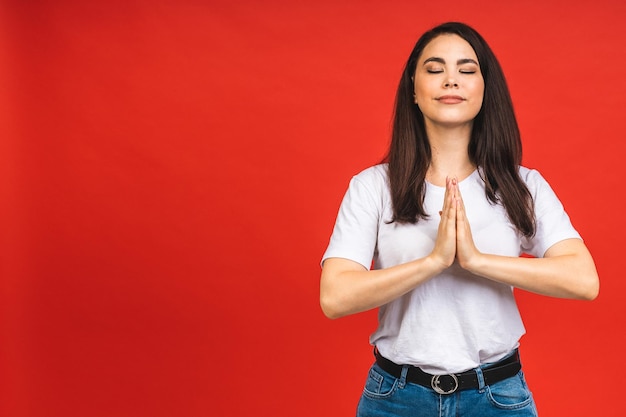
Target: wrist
<point>475,264</point>
<point>436,264</point>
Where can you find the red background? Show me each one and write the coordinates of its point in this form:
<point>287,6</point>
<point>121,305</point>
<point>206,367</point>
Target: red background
<point>170,173</point>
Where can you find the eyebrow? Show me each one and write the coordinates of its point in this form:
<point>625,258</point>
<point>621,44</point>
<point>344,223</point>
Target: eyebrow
<point>442,61</point>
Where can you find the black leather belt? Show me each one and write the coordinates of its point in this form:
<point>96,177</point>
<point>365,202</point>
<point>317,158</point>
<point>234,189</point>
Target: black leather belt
<point>447,384</point>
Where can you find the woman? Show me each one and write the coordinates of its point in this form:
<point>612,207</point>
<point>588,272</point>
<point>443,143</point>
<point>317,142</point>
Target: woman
<point>434,236</point>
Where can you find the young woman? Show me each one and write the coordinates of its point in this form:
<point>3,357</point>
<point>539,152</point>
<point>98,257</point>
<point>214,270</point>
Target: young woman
<point>434,236</point>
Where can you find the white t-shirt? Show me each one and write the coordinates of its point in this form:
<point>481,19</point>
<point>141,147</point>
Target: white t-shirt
<point>456,320</point>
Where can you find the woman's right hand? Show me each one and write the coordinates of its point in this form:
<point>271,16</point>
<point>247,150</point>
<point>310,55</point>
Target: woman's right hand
<point>444,251</point>
<point>348,287</point>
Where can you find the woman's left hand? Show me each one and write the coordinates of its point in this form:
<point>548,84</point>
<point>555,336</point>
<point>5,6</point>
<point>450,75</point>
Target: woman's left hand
<point>566,270</point>
<point>466,251</point>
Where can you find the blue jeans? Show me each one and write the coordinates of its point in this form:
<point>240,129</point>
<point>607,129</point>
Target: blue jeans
<point>387,396</point>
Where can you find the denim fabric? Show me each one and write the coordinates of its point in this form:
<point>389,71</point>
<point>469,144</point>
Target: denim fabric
<point>387,396</point>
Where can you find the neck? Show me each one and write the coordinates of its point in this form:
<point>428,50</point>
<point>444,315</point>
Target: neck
<point>449,154</point>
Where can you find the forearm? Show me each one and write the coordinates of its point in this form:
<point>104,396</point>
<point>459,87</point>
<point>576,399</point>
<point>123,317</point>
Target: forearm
<point>347,288</point>
<point>568,274</point>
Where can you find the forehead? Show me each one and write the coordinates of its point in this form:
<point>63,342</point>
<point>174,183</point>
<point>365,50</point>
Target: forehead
<point>448,45</point>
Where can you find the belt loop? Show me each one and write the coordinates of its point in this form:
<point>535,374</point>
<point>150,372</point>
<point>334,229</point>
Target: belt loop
<point>481,378</point>
<point>402,380</point>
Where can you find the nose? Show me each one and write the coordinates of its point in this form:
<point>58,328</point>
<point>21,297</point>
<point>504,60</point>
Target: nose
<point>450,83</point>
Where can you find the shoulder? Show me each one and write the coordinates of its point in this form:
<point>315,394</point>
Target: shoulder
<point>374,174</point>
<point>374,178</point>
<point>369,187</point>
<point>543,195</point>
<point>533,179</point>
<point>529,174</point>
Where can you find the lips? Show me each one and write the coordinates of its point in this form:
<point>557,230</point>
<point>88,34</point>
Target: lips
<point>449,99</point>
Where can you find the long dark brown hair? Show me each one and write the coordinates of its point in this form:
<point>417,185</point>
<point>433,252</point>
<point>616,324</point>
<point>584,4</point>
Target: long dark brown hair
<point>495,146</point>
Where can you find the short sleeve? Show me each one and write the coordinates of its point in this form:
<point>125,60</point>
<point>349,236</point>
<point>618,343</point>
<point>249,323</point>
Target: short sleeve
<point>356,228</point>
<point>553,223</point>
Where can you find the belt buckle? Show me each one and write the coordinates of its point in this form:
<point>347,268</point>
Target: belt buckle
<point>435,384</point>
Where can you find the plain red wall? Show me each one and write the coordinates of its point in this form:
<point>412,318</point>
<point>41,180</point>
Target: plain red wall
<point>171,170</point>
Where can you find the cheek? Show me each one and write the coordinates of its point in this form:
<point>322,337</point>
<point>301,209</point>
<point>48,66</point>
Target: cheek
<point>418,92</point>
<point>423,94</point>
<point>480,88</point>
<point>424,87</point>
<point>421,103</point>
<point>478,92</point>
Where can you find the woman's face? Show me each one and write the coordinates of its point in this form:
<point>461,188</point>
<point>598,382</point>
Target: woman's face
<point>448,83</point>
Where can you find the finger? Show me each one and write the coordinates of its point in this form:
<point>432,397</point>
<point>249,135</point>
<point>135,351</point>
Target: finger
<point>445,203</point>
<point>448,212</point>
<point>455,187</point>
<point>460,219</point>
<point>449,196</point>
<point>449,208</point>
<point>460,198</point>
<point>462,223</point>
<point>448,219</point>
<point>450,191</point>
<point>460,215</point>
